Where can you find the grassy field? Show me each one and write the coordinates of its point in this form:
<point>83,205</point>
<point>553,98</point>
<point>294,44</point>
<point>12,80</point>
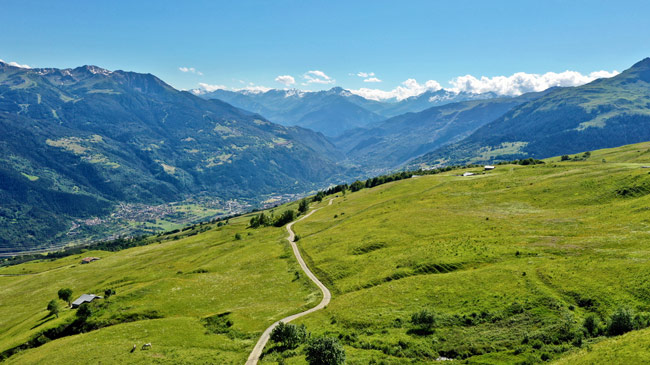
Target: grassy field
<point>507,260</point>
<point>181,281</point>
<point>511,262</point>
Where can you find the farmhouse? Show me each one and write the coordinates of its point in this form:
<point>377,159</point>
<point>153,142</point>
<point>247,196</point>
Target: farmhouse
<point>468,174</point>
<point>85,298</point>
<point>87,260</point>
<point>489,167</point>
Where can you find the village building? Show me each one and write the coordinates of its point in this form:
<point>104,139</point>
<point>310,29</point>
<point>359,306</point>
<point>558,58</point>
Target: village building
<point>87,260</point>
<point>84,298</point>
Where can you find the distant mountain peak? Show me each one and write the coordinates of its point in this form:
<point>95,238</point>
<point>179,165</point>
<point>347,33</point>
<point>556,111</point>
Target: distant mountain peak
<point>643,65</point>
<point>93,70</point>
<point>337,90</point>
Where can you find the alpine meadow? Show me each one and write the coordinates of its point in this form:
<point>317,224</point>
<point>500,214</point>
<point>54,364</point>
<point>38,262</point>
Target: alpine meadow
<point>324,183</point>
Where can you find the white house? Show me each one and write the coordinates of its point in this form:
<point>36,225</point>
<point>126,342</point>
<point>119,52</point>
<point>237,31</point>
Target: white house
<point>489,167</point>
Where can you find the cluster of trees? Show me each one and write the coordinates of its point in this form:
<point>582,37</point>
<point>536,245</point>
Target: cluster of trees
<point>319,350</point>
<point>582,157</point>
<point>620,322</point>
<point>263,220</point>
<point>383,179</point>
<point>524,162</point>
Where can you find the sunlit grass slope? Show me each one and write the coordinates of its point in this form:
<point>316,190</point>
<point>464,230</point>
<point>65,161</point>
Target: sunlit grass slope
<point>181,281</point>
<point>507,260</point>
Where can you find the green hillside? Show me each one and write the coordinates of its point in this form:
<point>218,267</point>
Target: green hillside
<point>510,263</point>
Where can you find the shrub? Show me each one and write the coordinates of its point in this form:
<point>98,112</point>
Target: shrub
<point>286,217</point>
<point>303,207</point>
<point>423,319</point>
<point>325,351</point>
<point>84,311</point>
<point>237,236</point>
<point>289,335</point>
<point>620,323</point>
<point>260,220</point>
<point>590,325</point>
<point>65,294</point>
<point>53,308</point>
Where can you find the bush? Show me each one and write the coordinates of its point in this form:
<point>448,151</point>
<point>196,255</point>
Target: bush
<point>286,217</point>
<point>591,325</point>
<point>303,207</point>
<point>237,236</point>
<point>325,351</point>
<point>260,220</point>
<point>423,319</point>
<point>620,323</point>
<point>53,308</point>
<point>65,294</point>
<point>356,186</point>
<point>84,311</point>
<point>289,336</point>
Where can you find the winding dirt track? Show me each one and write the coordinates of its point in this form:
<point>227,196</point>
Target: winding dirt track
<point>259,347</point>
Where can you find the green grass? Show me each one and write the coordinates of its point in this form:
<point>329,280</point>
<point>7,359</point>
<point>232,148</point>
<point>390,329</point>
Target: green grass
<point>508,261</point>
<point>631,348</point>
<point>577,237</point>
<point>182,280</point>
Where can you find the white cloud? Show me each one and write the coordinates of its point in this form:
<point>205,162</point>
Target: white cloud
<point>372,79</point>
<point>522,82</point>
<point>317,77</point>
<point>407,89</point>
<point>365,74</point>
<point>207,88</point>
<point>210,88</point>
<point>191,70</point>
<point>15,64</point>
<point>255,89</point>
<point>513,85</point>
<point>286,80</point>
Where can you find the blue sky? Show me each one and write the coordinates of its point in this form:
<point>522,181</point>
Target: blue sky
<point>239,43</point>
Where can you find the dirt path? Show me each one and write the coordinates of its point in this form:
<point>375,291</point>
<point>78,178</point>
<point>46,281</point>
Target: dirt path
<point>259,347</point>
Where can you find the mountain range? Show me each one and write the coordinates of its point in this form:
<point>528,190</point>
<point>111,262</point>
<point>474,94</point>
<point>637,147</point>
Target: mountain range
<point>77,144</point>
<point>333,112</point>
<point>605,113</point>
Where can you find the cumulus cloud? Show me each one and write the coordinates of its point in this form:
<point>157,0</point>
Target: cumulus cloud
<point>407,89</point>
<point>191,70</point>
<point>251,88</point>
<point>317,77</point>
<point>516,84</point>
<point>255,89</point>
<point>211,88</point>
<point>365,74</point>
<point>286,80</point>
<point>522,82</point>
<point>372,79</point>
<point>15,64</point>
